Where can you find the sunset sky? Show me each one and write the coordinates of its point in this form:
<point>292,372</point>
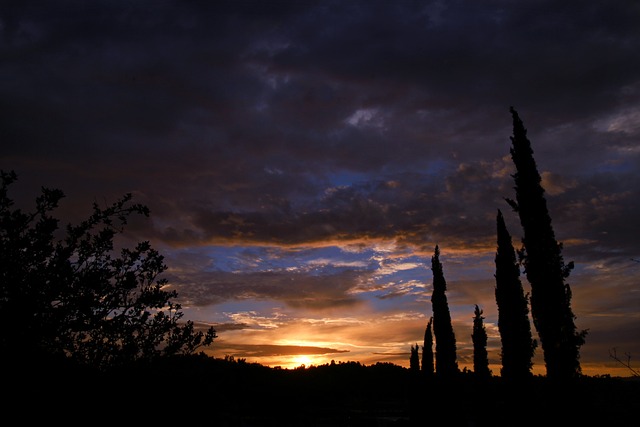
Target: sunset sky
<point>302,159</point>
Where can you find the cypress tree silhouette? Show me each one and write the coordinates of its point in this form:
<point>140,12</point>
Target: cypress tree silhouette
<point>427,350</point>
<point>544,265</point>
<point>518,346</point>
<point>479,338</point>
<point>446,360</point>
<point>414,360</point>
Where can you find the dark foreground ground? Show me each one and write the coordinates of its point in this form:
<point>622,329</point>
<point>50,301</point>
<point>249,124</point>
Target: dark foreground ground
<point>202,391</point>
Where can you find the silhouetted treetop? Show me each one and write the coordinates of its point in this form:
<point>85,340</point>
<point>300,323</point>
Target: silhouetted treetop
<point>74,297</point>
<point>479,339</point>
<point>446,364</point>
<point>518,346</point>
<point>427,350</point>
<point>543,264</point>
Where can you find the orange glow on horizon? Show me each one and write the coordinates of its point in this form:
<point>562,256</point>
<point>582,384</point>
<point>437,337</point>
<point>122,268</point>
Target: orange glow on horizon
<point>297,361</point>
<point>302,360</point>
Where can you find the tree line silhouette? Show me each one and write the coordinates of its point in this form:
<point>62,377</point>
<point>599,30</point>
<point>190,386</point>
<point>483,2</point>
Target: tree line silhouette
<point>85,329</point>
<point>542,260</point>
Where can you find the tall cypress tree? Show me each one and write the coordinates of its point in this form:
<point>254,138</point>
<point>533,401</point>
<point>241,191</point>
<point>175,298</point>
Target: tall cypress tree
<point>446,359</point>
<point>427,350</point>
<point>479,339</point>
<point>518,346</point>
<point>544,265</point>
<point>414,360</point>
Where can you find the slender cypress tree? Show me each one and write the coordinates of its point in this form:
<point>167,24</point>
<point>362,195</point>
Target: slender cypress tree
<point>414,360</point>
<point>544,265</point>
<point>479,339</point>
<point>518,346</point>
<point>427,350</point>
<point>446,359</point>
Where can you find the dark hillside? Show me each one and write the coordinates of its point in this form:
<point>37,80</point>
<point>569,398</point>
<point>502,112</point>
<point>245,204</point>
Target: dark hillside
<point>200,390</point>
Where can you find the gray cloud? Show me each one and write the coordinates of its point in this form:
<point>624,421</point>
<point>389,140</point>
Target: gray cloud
<point>297,290</point>
<point>255,350</point>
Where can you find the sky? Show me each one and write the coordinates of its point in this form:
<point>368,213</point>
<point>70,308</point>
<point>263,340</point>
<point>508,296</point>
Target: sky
<point>302,159</point>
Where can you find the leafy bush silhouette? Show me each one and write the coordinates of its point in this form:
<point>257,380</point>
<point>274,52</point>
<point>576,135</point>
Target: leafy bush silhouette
<point>71,298</point>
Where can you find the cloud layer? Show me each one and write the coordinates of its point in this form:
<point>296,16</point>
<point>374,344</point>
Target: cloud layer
<point>306,157</point>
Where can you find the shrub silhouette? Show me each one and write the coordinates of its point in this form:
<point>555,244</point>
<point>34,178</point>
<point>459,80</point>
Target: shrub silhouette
<point>73,298</point>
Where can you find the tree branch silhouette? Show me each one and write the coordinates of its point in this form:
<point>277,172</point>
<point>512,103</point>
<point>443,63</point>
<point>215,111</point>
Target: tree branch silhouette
<point>613,354</point>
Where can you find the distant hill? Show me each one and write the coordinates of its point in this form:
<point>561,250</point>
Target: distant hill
<point>218,392</point>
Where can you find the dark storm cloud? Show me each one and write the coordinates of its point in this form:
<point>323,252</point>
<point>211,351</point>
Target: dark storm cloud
<point>236,116</point>
<point>296,289</point>
<point>223,327</point>
<point>401,207</point>
<point>437,46</point>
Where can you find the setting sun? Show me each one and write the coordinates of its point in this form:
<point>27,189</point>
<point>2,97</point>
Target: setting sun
<point>302,360</point>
